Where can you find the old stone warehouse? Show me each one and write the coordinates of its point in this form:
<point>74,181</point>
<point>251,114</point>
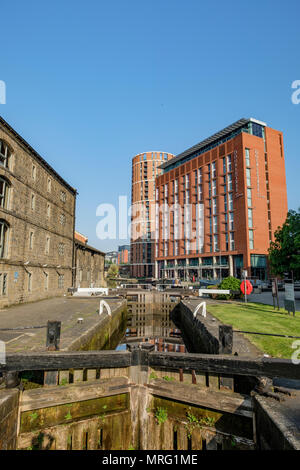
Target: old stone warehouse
<point>40,256</point>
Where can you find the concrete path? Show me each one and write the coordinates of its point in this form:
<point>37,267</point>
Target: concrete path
<point>64,309</point>
<point>266,298</point>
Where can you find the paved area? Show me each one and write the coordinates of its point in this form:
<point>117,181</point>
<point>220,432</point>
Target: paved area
<point>64,309</point>
<point>266,298</point>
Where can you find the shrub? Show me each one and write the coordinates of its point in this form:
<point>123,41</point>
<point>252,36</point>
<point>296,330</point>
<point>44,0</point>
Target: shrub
<point>230,283</point>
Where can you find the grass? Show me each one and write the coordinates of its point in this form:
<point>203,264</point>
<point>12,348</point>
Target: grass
<point>262,319</point>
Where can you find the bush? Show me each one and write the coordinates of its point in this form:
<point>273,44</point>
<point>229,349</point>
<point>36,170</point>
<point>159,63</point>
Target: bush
<point>230,283</point>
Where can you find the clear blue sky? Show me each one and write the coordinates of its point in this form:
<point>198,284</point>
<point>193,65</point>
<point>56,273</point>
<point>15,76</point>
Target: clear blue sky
<point>90,84</point>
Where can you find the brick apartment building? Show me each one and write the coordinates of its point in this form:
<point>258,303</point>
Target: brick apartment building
<point>37,216</point>
<point>145,168</point>
<point>89,263</point>
<point>234,189</point>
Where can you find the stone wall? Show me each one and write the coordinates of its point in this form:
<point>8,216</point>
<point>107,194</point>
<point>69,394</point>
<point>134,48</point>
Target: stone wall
<point>89,266</point>
<point>38,209</point>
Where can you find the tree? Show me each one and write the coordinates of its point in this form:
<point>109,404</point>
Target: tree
<point>284,252</point>
<point>112,273</point>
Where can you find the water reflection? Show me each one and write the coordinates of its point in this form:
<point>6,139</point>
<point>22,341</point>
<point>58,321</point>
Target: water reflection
<point>155,328</point>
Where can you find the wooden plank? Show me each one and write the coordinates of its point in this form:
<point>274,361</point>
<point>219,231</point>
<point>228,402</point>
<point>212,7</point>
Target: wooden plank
<point>61,360</point>
<point>226,364</point>
<point>50,378</point>
<point>201,379</point>
<point>182,438</point>
<point>91,374</point>
<point>213,381</point>
<point>227,402</point>
<point>63,377</point>
<point>105,374</point>
<point>226,383</point>
<point>78,375</point>
<point>196,439</point>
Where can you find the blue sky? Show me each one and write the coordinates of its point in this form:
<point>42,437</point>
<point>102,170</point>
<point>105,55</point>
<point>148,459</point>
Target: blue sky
<point>91,84</point>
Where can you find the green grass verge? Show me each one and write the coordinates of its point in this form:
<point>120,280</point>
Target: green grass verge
<point>262,319</point>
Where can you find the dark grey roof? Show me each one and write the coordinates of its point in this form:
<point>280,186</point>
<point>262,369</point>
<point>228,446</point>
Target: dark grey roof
<point>219,135</point>
<point>84,246</point>
<point>36,154</point>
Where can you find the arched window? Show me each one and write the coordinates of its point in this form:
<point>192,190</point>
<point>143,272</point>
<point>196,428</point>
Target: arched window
<point>4,192</point>
<point>4,154</point>
<point>4,230</point>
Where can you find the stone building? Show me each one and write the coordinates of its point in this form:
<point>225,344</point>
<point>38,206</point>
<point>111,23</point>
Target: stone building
<point>89,264</point>
<point>37,217</point>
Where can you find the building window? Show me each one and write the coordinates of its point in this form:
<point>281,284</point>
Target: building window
<point>46,280</point>
<point>4,230</point>
<point>61,249</point>
<point>231,239</point>
<point>33,173</point>
<point>230,201</point>
<point>248,177</point>
<point>62,219</point>
<point>231,222</point>
<point>31,235</point>
<point>3,283</point>
<point>32,201</point>
<point>216,244</point>
<point>49,185</point>
<point>47,245</point>
<point>229,179</point>
<point>249,197</point>
<point>4,193</point>
<point>213,170</point>
<point>247,153</point>
<point>251,240</point>
<point>4,154</point>
<point>63,196</point>
<point>48,210</point>
<point>61,279</point>
<point>250,220</point>
<point>229,166</point>
<point>29,282</point>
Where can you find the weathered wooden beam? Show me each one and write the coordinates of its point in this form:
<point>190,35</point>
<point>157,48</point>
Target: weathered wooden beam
<point>225,364</point>
<point>66,360</point>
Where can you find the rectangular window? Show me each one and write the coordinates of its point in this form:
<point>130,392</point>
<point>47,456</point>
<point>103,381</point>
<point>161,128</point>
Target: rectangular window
<point>216,244</point>
<point>32,201</point>
<point>49,185</point>
<point>63,196</point>
<point>251,240</point>
<point>247,154</point>
<point>61,249</point>
<point>29,282</point>
<point>213,170</point>
<point>61,279</point>
<point>229,179</point>
<point>3,283</point>
<point>250,221</point>
<point>248,177</point>
<point>231,238</point>
<point>48,210</point>
<point>249,197</point>
<point>231,224</point>
<point>33,174</point>
<point>47,245</point>
<point>215,224</point>
<point>229,166</point>
<point>62,219</point>
<point>230,201</point>
<point>46,280</point>
<point>31,240</point>
<point>224,165</point>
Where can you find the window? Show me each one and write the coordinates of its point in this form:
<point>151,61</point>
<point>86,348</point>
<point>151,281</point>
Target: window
<point>247,153</point>
<point>213,170</point>
<point>250,220</point>
<point>32,201</point>
<point>61,279</point>
<point>47,245</point>
<point>4,154</point>
<point>61,249</point>
<point>251,241</point>
<point>63,196</point>
<point>231,224</point>
<point>3,283</point>
<point>46,280</point>
<point>229,179</point>
<point>4,229</point>
<point>216,245</point>
<point>215,224</point>
<point>230,201</point>
<point>48,210</point>
<point>4,193</point>
<point>33,173</point>
<point>31,235</point>
<point>49,185</point>
<point>224,165</point>
<point>231,238</point>
<point>248,177</point>
<point>249,197</point>
<point>229,167</point>
<point>29,282</point>
<point>62,219</point>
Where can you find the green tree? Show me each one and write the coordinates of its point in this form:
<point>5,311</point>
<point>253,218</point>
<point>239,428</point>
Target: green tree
<point>284,252</point>
<point>112,273</point>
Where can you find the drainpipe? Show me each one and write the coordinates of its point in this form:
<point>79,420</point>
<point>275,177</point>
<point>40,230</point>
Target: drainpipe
<point>73,248</point>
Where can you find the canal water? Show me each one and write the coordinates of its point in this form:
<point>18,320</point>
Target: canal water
<point>152,327</point>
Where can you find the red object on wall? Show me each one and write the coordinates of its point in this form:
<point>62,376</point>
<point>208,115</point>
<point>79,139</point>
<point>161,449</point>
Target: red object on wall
<point>249,287</point>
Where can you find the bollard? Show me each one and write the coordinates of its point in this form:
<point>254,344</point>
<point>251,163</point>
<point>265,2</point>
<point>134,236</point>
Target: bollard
<point>53,335</point>
<point>225,339</point>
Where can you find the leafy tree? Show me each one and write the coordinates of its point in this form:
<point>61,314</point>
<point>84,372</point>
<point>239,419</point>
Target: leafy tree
<point>112,273</point>
<point>284,252</point>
